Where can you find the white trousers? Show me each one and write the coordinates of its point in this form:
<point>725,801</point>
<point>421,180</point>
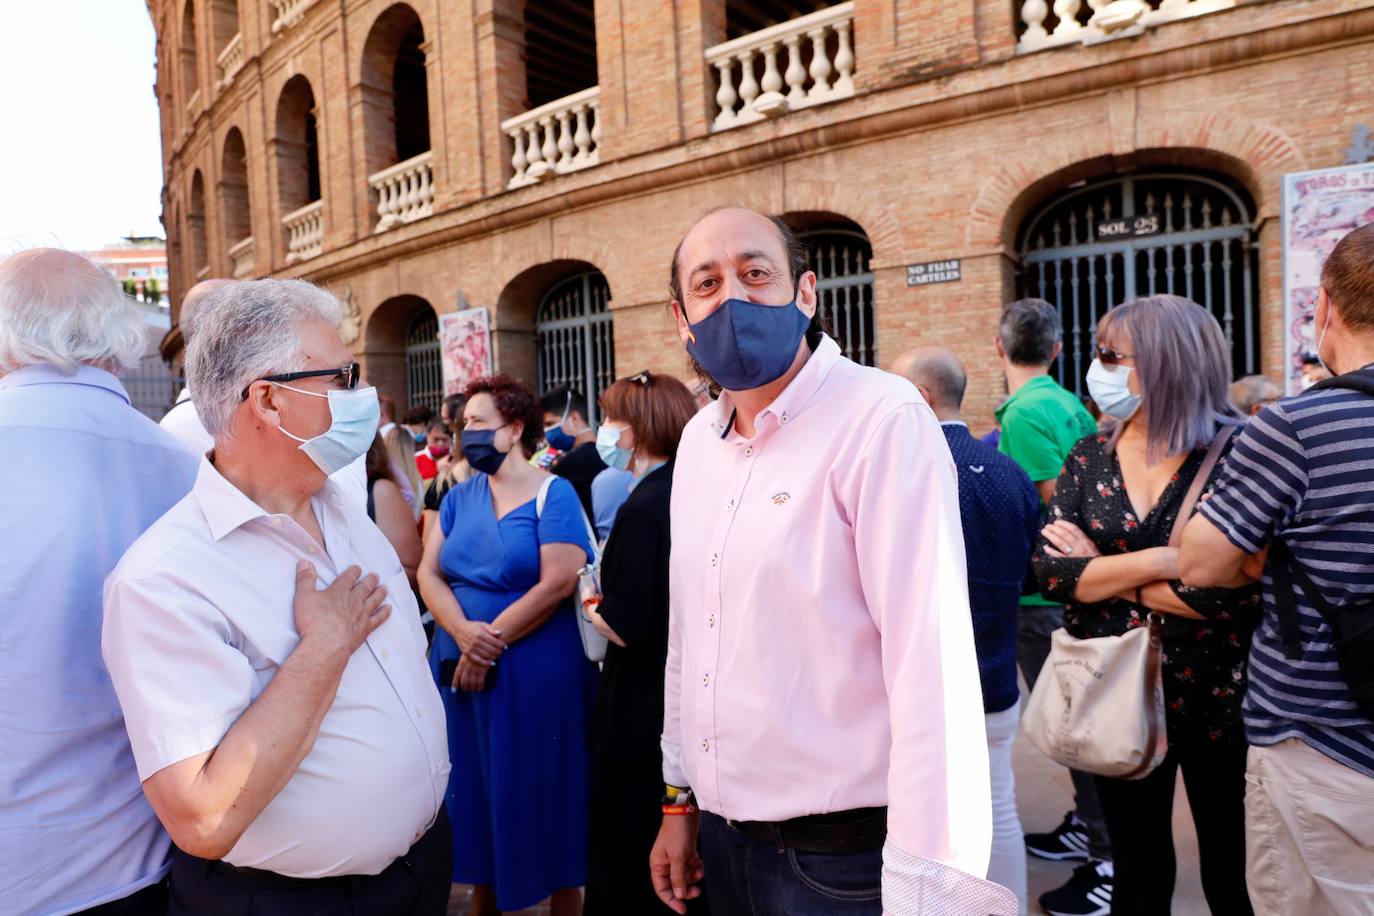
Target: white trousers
<point>1008,864</point>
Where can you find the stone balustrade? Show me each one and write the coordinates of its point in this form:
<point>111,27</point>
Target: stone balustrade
<point>1105,19</point>
<point>405,192</point>
<point>562,136</point>
<point>230,60</point>
<point>286,13</point>
<point>241,259</point>
<point>754,70</point>
<point>304,232</point>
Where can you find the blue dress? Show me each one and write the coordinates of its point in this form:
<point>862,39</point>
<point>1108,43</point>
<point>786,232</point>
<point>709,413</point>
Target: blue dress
<point>517,796</point>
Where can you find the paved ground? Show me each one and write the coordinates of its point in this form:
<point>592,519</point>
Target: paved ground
<point>1043,794</point>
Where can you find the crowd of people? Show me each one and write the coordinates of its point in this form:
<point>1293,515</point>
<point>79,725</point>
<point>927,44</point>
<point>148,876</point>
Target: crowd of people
<point>294,652</point>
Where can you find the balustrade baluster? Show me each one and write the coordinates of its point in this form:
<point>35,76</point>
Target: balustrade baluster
<point>844,61</point>
<point>582,138</point>
<point>820,64</point>
<point>796,73</point>
<point>1067,11</point>
<point>536,167</point>
<point>1033,14</point>
<point>725,95</point>
<point>748,85</point>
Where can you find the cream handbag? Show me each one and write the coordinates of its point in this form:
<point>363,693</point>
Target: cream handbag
<point>1098,705</point>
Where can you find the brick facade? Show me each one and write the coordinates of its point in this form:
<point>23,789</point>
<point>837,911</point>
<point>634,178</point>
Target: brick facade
<point>951,140</point>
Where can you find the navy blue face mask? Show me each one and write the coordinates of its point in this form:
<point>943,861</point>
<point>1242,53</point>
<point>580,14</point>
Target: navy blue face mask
<point>479,448</point>
<point>744,345</point>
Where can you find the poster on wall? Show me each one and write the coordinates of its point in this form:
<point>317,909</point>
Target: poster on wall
<point>464,347</point>
<point>1319,209</point>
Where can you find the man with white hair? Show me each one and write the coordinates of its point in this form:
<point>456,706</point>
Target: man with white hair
<point>290,739</point>
<point>183,420</point>
<point>85,473</point>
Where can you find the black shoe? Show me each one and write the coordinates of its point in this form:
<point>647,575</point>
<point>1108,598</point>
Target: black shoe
<point>1067,842</point>
<point>1088,893</point>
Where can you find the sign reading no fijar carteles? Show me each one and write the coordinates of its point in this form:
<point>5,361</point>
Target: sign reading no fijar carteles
<point>933,272</point>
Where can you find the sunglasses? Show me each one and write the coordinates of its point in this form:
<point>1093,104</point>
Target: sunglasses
<point>350,375</point>
<point>644,378</point>
<point>1110,357</point>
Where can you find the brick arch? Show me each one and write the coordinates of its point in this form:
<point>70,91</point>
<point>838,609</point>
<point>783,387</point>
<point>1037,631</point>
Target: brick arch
<point>1255,153</point>
<point>865,208</point>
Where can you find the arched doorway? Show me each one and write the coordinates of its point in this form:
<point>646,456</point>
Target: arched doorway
<point>576,337</point>
<point>395,96</point>
<point>190,73</point>
<point>1098,244</point>
<point>200,252</point>
<point>238,222</point>
<point>841,256</point>
<point>400,347</point>
<point>297,150</point>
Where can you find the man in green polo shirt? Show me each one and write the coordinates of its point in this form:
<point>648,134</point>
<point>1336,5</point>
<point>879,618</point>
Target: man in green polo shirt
<point>1040,423</point>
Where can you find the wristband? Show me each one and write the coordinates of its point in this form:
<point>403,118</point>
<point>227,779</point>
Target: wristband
<point>679,809</point>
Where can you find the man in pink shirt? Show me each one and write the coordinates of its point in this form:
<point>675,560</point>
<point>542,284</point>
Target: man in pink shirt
<point>822,702</point>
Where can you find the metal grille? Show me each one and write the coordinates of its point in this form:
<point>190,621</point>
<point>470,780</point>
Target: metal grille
<point>152,387</point>
<point>1202,247</point>
<point>576,338</point>
<point>844,289</point>
<point>424,373</point>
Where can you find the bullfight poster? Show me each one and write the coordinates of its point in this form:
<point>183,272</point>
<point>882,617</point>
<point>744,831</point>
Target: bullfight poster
<point>465,348</point>
<point>1319,208</point>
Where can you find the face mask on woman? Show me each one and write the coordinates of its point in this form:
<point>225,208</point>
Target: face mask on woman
<point>479,448</point>
<point>1110,389</point>
<point>607,439</point>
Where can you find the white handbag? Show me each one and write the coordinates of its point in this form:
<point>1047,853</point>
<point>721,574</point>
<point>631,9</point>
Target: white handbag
<point>1098,704</point>
<point>588,583</point>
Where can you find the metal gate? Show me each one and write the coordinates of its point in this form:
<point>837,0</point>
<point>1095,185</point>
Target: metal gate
<point>844,288</point>
<point>1099,245</point>
<point>424,372</point>
<point>576,339</point>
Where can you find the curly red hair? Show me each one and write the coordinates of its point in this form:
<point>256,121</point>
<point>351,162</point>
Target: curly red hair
<point>515,402</point>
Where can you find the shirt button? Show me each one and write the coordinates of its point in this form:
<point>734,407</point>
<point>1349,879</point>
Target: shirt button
<point>705,744</point>
<point>730,506</point>
<point>706,680</point>
<point>383,653</point>
<point>749,451</point>
<point>711,621</point>
<point>713,559</point>
<point>784,418</point>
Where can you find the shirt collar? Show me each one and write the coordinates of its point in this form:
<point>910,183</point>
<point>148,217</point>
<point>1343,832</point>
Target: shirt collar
<point>48,374</point>
<point>185,395</point>
<point>788,405</point>
<point>1039,382</point>
<point>227,508</point>
<point>954,423</point>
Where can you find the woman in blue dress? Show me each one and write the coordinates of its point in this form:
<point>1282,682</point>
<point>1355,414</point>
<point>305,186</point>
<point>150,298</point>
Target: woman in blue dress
<point>499,574</point>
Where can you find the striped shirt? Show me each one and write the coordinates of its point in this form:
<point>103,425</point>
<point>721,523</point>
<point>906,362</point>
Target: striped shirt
<point>1304,470</point>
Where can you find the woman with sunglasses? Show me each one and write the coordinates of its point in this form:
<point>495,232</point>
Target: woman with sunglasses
<point>1161,376</point>
<point>642,422</point>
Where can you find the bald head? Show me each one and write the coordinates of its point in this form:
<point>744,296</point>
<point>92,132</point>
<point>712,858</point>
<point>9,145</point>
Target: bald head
<point>938,373</point>
<point>58,307</point>
<point>186,317</point>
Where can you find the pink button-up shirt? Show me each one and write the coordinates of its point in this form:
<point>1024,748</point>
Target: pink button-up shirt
<point>820,648</point>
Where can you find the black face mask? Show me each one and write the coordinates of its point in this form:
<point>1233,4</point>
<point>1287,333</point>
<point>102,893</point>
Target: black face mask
<point>479,448</point>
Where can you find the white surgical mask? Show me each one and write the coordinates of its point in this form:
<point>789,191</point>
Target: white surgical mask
<point>1110,389</point>
<point>354,414</point>
<point>607,439</point>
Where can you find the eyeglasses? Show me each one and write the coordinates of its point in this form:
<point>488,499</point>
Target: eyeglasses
<point>1110,357</point>
<point>350,375</point>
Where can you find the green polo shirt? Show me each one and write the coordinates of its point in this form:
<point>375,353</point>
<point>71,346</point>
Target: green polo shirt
<point>1040,423</point>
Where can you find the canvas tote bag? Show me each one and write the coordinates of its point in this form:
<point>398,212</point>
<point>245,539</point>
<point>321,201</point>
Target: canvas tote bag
<point>1098,705</point>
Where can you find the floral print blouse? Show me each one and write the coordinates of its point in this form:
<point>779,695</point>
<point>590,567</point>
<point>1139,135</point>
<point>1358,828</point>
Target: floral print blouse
<point>1204,660</point>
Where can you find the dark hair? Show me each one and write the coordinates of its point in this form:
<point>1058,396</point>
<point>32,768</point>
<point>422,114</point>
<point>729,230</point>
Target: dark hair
<point>1310,359</point>
<point>798,263</point>
<point>1029,330</point>
<point>516,403</point>
<point>438,424</point>
<point>417,416</point>
<point>378,463</point>
<point>657,407</point>
<point>556,400</point>
<point>387,407</point>
<point>1348,278</point>
<point>453,405</point>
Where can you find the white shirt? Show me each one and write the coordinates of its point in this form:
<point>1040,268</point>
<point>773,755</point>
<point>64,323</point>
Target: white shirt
<point>198,618</point>
<point>183,422</point>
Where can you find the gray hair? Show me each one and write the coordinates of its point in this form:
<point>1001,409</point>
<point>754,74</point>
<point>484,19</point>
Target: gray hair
<point>1252,390</point>
<point>1184,365</point>
<point>1029,330</point>
<point>245,331</point>
<point>57,307</point>
<point>937,370</point>
<point>190,303</point>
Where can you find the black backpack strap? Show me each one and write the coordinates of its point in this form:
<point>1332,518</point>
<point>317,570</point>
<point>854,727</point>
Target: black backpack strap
<point>1284,570</point>
<point>1355,381</point>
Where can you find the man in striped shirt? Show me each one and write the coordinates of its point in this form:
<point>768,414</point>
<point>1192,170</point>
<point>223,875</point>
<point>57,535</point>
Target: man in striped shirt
<point>1301,473</point>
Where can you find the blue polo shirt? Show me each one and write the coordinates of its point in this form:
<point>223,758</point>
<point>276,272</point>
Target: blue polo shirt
<point>1000,511</point>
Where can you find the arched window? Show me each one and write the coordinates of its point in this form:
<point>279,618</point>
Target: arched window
<point>560,50</point>
<point>576,337</point>
<point>190,77</point>
<point>225,40</point>
<point>200,253</point>
<point>424,372</point>
<point>395,92</point>
<point>238,222</point>
<point>1101,243</point>
<point>840,255</point>
<point>297,150</point>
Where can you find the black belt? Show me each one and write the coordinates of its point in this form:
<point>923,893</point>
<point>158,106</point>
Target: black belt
<point>856,830</point>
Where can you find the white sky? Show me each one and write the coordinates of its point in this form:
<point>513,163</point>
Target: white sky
<point>80,150</point>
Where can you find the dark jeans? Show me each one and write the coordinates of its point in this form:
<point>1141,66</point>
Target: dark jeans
<point>1140,821</point>
<point>1034,626</point>
<point>150,901</point>
<point>417,884</point>
<point>747,878</point>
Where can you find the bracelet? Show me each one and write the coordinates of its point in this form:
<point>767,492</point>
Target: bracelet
<point>679,809</point>
<point>677,795</point>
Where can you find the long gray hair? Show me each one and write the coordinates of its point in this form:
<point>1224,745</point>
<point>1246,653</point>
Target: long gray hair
<point>1184,365</point>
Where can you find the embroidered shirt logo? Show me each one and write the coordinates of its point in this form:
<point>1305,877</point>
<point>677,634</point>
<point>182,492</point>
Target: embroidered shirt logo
<point>976,468</point>
<point>781,497</point>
